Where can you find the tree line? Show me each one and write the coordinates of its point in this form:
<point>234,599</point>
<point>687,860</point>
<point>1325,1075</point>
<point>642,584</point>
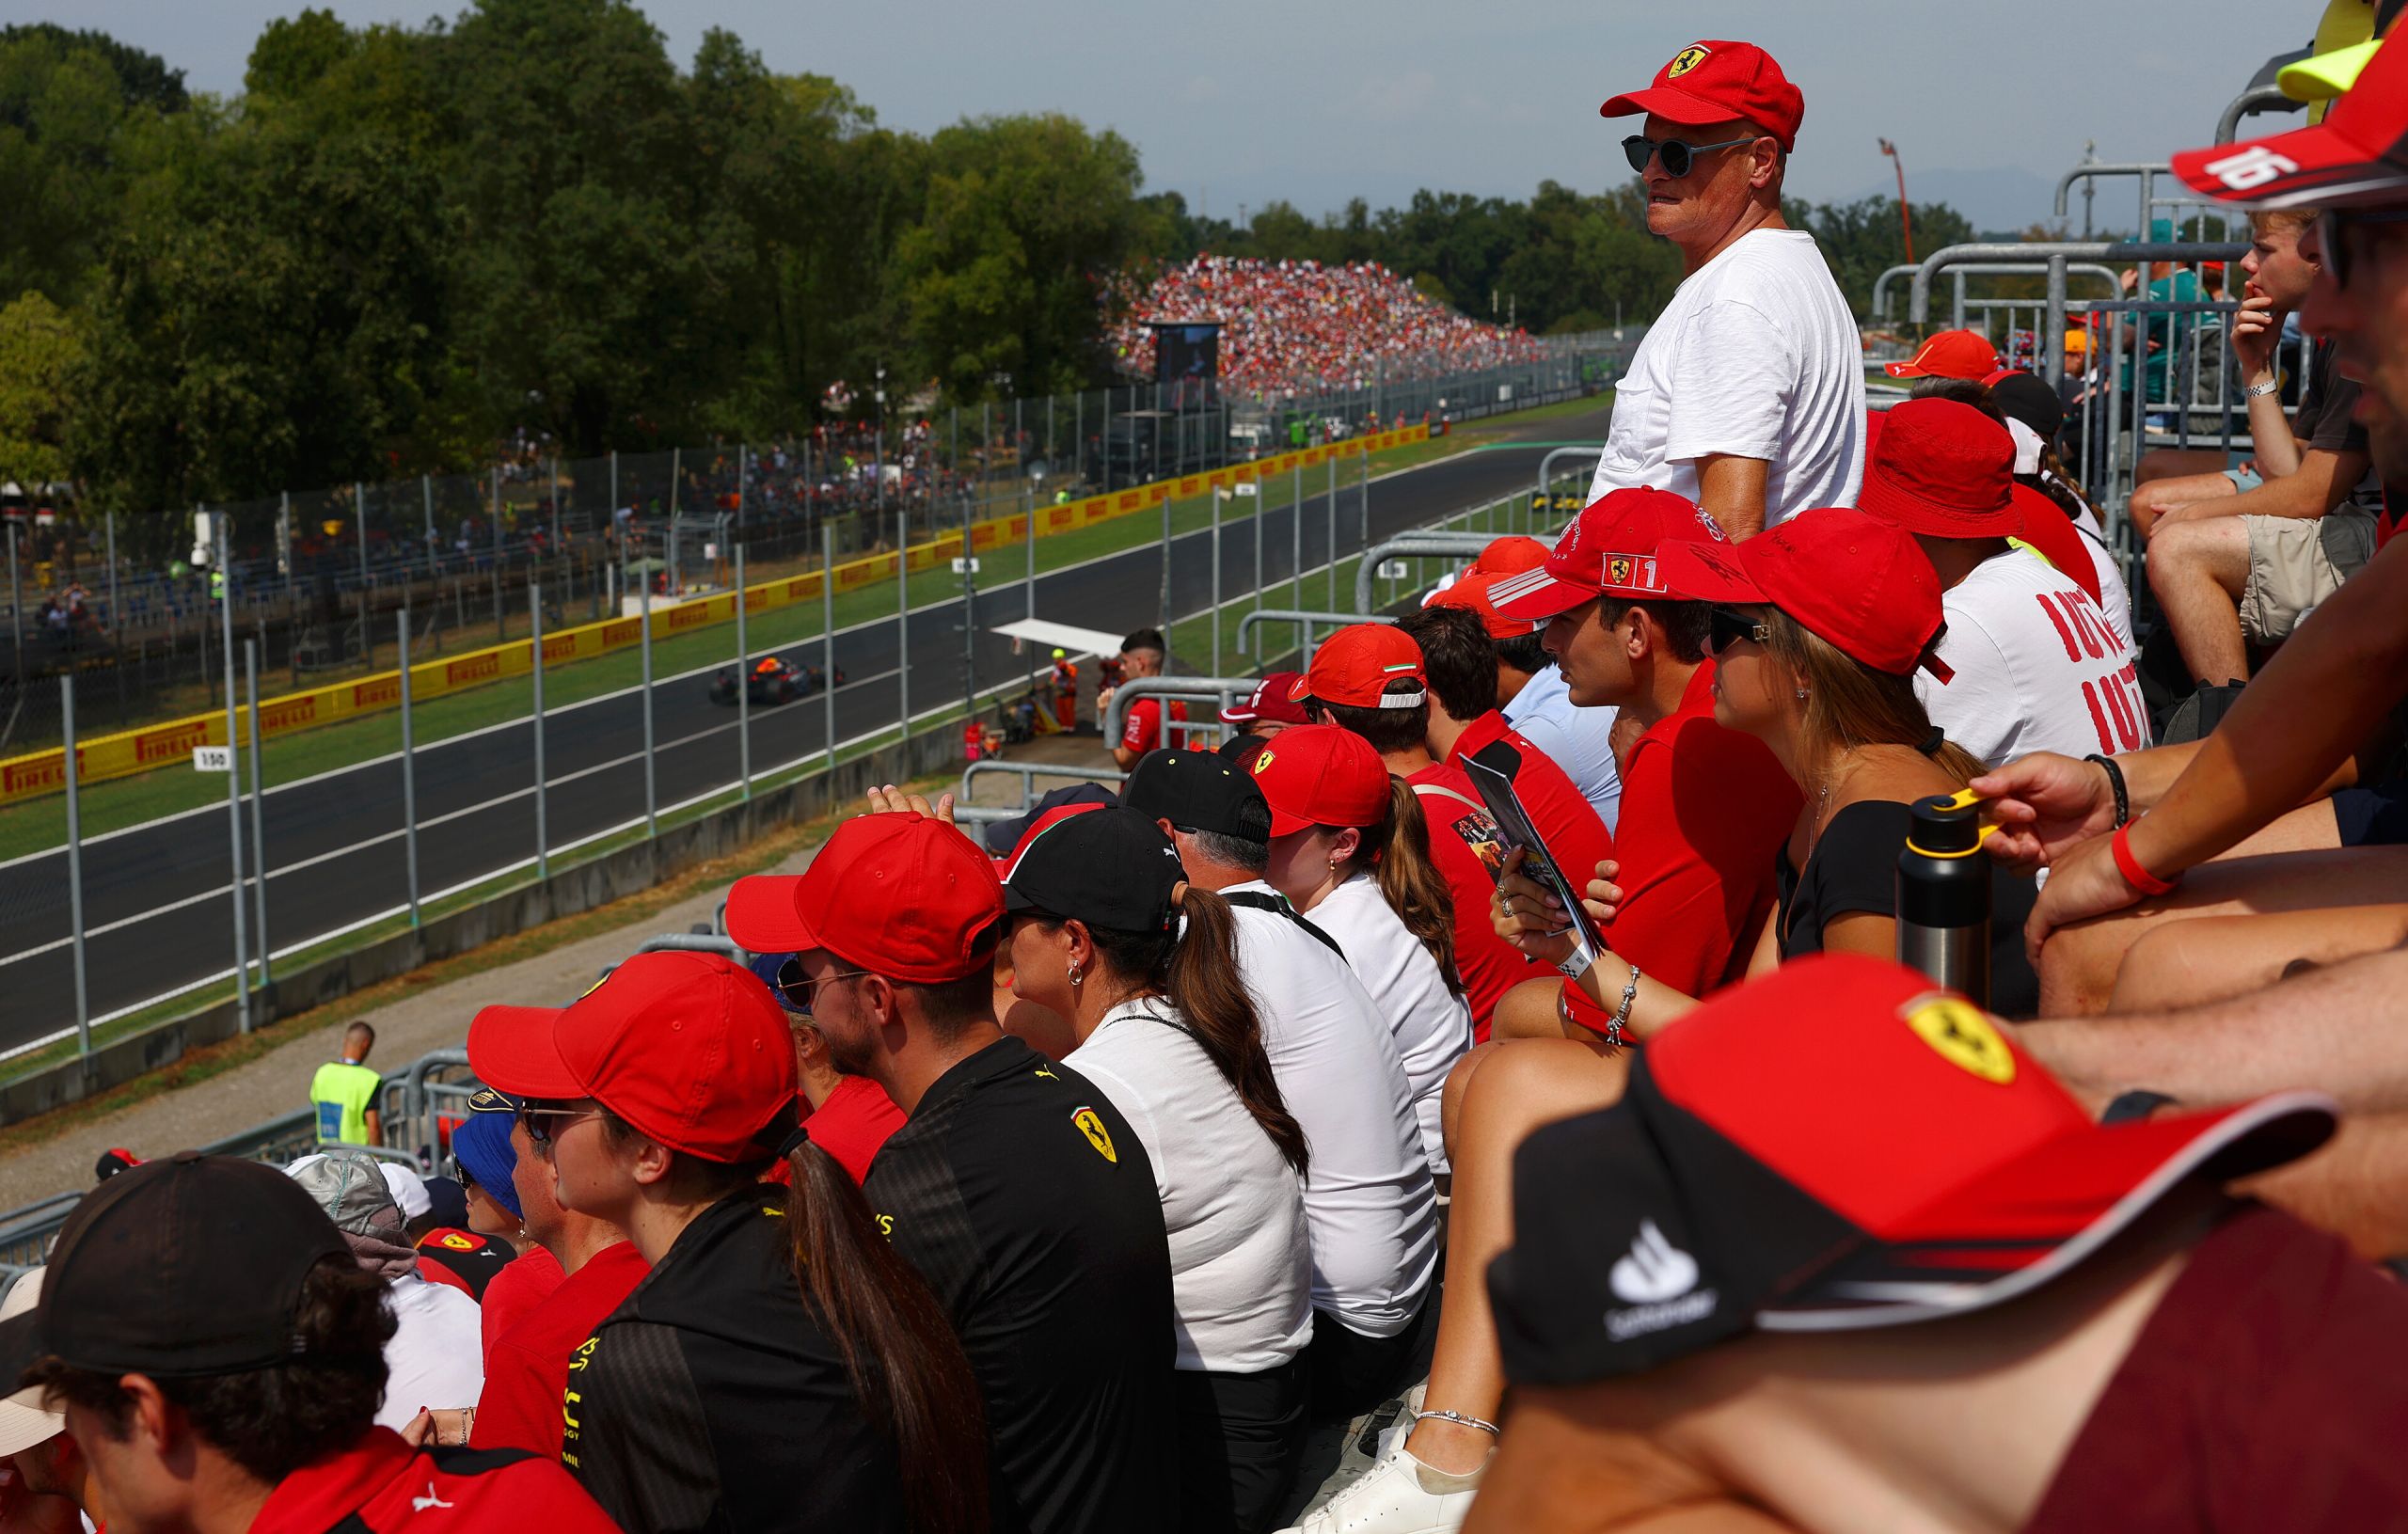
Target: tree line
<point>400,247</point>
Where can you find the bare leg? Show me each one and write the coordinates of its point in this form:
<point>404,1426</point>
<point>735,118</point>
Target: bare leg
<point>2078,965</point>
<point>1569,1468</point>
<point>1529,1011</point>
<point>2188,963</point>
<point>2198,570</point>
<point>1518,1088</point>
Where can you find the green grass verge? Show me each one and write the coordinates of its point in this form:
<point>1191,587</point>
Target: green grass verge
<point>40,825</point>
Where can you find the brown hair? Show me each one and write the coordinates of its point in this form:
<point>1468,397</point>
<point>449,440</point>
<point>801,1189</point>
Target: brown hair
<point>1850,705</point>
<point>1198,968</point>
<point>1398,853</point>
<point>909,1374</point>
<point>1458,658</point>
<point>1387,729</point>
<point>2264,220</point>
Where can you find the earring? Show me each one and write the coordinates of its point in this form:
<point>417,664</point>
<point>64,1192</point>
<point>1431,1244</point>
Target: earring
<point>1076,976</point>
<point>1801,695</point>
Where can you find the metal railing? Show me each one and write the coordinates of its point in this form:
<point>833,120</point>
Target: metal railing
<point>1445,545</point>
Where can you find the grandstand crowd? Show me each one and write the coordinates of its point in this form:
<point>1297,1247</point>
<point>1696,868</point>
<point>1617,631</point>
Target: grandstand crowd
<point>1291,325</point>
<point>1068,1177</point>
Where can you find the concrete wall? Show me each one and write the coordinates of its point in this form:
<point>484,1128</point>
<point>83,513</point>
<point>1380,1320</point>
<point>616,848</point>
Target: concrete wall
<point>571,889</point>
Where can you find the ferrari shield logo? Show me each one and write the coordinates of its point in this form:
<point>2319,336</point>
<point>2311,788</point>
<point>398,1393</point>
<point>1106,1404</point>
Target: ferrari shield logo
<point>1617,570</point>
<point>1090,1124</point>
<point>1958,1034</point>
<point>1685,60</point>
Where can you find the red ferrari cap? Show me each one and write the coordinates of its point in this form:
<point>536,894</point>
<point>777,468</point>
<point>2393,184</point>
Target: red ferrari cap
<point>1847,577</point>
<point>1474,592</point>
<point>691,1049</point>
<point>1887,1154</point>
<point>1353,667</point>
<point>905,896</point>
<point>1951,354</point>
<point>1321,775</point>
<point>1509,556</point>
<point>1714,82</point>
<point>1611,550</point>
<point>1270,701</point>
<point>1944,469</point>
<point>2358,154</point>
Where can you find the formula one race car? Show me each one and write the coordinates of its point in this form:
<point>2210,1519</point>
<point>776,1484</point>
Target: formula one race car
<point>771,681</point>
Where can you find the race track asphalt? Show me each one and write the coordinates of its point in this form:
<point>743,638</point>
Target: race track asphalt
<point>155,898</point>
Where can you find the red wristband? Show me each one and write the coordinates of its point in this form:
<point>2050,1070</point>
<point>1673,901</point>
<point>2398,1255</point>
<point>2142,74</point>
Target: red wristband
<point>2130,866</point>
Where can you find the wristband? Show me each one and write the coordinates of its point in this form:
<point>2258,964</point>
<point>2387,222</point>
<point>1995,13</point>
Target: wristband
<point>2130,866</point>
<point>1575,964</point>
<point>2116,780</point>
<point>2258,391</point>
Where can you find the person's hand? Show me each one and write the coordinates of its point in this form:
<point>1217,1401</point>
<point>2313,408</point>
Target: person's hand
<point>1103,701</point>
<point>2044,805</point>
<point>892,800</point>
<point>2255,330</point>
<point>1527,915</point>
<point>2084,881</point>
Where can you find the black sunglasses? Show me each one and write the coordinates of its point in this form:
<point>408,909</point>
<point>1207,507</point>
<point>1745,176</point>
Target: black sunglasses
<point>533,1114</point>
<point>1725,628</point>
<point>2333,228</point>
<point>1679,156</point>
<point>801,990</point>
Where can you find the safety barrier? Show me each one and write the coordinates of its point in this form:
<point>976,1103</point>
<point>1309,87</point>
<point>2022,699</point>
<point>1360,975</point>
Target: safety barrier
<point>1452,546</point>
<point>171,744</point>
<point>1221,691</point>
<point>1305,623</point>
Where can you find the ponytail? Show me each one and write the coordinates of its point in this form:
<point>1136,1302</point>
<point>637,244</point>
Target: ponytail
<point>1199,972</point>
<point>1398,848</point>
<point>907,1369</point>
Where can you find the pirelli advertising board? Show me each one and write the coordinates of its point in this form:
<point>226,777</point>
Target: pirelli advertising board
<point>170,745</point>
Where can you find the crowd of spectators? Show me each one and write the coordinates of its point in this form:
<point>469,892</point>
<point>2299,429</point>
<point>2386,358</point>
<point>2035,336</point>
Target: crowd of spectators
<point>1520,1016</point>
<point>1290,326</point>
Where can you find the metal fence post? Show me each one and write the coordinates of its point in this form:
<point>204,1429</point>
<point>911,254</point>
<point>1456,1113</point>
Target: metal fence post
<point>1167,613</point>
<point>258,814</point>
<point>828,639</point>
<point>498,632</point>
<point>359,520</point>
<point>1333,535</point>
<point>1030,533</point>
<point>651,777</point>
<point>1215,494</point>
<point>117,621</point>
<point>903,617</point>
<point>409,773</point>
<point>75,862</point>
<point>535,670</point>
<point>743,685</point>
<point>233,777</point>
<point>426,495</point>
<point>1296,530</point>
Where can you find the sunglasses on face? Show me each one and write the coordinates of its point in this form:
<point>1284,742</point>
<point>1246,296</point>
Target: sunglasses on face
<point>2335,226</point>
<point>1725,628</point>
<point>543,1123</point>
<point>801,990</point>
<point>1679,156</point>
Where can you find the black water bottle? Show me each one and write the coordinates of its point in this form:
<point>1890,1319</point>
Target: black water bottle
<point>1944,895</point>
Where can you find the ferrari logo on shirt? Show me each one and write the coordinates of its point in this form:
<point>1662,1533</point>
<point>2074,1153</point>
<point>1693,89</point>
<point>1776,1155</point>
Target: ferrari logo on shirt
<point>1958,1034</point>
<point>459,1240</point>
<point>1090,1124</point>
<point>1685,60</point>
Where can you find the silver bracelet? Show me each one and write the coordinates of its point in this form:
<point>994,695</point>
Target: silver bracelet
<point>1622,1013</point>
<point>1462,1420</point>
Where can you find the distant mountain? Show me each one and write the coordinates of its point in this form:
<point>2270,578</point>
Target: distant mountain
<point>2005,200</point>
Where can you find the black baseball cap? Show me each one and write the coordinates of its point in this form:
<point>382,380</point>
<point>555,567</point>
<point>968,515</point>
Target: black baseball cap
<point>1004,835</point>
<point>1198,791</point>
<point>1105,865</point>
<point>186,1267</point>
<point>1837,1146</point>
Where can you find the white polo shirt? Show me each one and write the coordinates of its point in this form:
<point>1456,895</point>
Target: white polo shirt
<point>1368,1200</point>
<point>1240,1261</point>
<point>2038,667</point>
<point>1432,1025</point>
<point>1756,356</point>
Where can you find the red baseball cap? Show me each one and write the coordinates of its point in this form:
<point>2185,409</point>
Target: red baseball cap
<point>691,1049</point>
<point>1611,549</point>
<point>1945,469</point>
<point>1509,556</point>
<point>905,896</point>
<point>1473,593</point>
<point>1321,775</point>
<point>1951,354</point>
<point>1847,577</point>
<point>1353,667</point>
<point>1715,82</point>
<point>2358,154</point>
<point>1838,1145</point>
<point>1270,701</point>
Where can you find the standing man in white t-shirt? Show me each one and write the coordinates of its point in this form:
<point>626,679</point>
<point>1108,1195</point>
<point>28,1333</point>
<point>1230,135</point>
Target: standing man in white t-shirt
<point>2030,662</point>
<point>1747,394</point>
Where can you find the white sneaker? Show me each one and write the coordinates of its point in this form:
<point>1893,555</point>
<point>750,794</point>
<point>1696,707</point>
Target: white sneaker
<point>1398,1495</point>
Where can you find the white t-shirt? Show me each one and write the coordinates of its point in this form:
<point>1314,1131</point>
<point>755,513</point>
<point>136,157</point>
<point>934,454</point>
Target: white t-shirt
<point>1432,1024</point>
<point>1580,740</point>
<point>1240,1260</point>
<point>437,1356</point>
<point>1368,1201</point>
<point>2038,667</point>
<point>1756,356</point>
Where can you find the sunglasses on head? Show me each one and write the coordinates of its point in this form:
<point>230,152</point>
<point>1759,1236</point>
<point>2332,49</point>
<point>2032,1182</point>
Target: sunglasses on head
<point>1679,156</point>
<point>2333,227</point>
<point>1725,628</point>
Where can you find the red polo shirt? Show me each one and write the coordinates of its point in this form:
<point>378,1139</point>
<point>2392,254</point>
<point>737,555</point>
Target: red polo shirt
<point>851,1126</point>
<point>1464,845</point>
<point>380,1483</point>
<point>527,1371</point>
<point>516,1290</point>
<point>1704,812</point>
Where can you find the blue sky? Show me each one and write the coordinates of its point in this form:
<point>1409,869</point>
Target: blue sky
<point>1243,101</point>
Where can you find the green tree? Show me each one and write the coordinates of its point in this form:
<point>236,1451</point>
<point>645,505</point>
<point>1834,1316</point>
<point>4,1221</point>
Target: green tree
<point>40,349</point>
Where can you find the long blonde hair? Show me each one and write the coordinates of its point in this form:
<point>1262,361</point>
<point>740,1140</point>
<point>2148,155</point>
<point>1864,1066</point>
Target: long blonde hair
<point>1850,705</point>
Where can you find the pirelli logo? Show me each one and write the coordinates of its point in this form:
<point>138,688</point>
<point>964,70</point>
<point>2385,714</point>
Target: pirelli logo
<point>35,775</point>
<point>376,692</point>
<point>291,714</point>
<point>468,669</point>
<point>170,745</point>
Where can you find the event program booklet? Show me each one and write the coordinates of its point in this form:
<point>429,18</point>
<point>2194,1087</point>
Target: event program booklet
<point>1492,769</point>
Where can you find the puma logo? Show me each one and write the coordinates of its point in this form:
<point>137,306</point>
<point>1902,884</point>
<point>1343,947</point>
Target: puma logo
<point>421,1504</point>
